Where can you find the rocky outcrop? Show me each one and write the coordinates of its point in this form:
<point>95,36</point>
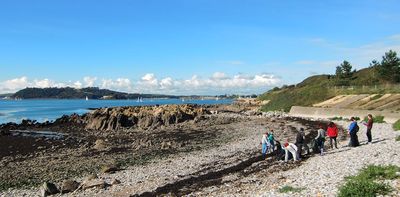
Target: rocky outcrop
<point>143,117</point>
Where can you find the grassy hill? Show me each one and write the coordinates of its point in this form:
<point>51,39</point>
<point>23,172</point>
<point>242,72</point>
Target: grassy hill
<point>318,88</point>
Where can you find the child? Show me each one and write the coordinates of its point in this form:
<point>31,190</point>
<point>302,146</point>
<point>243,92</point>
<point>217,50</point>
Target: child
<point>265,145</point>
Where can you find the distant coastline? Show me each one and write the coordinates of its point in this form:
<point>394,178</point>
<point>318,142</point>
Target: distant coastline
<point>95,93</point>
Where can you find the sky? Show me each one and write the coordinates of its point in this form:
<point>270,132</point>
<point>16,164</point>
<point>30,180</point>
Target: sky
<point>187,47</point>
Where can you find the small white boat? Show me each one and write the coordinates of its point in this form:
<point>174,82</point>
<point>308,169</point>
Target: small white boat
<point>87,98</point>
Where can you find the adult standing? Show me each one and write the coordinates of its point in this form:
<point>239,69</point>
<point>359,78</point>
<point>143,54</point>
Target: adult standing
<point>332,133</point>
<point>271,140</point>
<point>353,129</point>
<point>369,128</point>
<point>321,139</point>
<point>300,139</point>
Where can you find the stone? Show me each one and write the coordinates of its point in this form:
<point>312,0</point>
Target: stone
<point>100,145</point>
<point>96,183</point>
<point>49,189</point>
<point>69,186</point>
<point>109,169</point>
<point>115,182</point>
<point>90,177</point>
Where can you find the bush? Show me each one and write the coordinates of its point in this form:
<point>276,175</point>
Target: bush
<point>377,119</point>
<point>365,183</point>
<point>336,118</point>
<point>398,138</point>
<point>287,189</point>
<point>396,125</point>
<point>357,187</point>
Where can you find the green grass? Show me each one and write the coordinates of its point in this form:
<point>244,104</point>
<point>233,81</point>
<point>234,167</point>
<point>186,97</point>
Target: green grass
<point>396,125</point>
<point>368,182</point>
<point>320,88</point>
<point>287,189</point>
<point>398,138</point>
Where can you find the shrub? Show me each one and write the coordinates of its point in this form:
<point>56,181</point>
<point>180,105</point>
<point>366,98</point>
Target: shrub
<point>398,138</point>
<point>377,119</point>
<point>336,118</point>
<point>357,187</point>
<point>396,125</point>
<point>287,188</point>
<point>365,183</point>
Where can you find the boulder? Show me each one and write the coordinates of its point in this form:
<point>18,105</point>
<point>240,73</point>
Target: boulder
<point>49,189</point>
<point>69,186</point>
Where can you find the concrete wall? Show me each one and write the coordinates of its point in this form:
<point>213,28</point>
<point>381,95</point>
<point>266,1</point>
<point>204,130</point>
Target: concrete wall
<point>316,112</point>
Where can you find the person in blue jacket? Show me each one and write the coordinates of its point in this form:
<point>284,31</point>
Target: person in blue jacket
<point>353,129</point>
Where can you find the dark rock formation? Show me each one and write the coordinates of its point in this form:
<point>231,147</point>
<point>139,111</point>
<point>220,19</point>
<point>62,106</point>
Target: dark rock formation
<point>143,117</point>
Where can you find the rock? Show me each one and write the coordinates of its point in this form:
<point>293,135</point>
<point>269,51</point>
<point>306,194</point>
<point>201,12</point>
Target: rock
<point>90,177</point>
<point>115,182</point>
<point>100,145</point>
<point>109,169</point>
<point>49,189</point>
<point>69,186</point>
<point>143,117</point>
<point>101,184</point>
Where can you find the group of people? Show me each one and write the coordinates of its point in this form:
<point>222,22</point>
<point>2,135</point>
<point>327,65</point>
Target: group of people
<point>294,150</point>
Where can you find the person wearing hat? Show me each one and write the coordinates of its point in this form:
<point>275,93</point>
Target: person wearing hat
<point>264,145</point>
<point>289,147</point>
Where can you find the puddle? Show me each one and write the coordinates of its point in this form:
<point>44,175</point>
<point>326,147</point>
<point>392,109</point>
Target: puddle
<point>38,134</point>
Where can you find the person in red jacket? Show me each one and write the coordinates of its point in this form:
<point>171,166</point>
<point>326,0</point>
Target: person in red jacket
<point>332,132</point>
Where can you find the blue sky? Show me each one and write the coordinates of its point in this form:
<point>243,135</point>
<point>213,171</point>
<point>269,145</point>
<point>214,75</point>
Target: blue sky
<point>188,47</point>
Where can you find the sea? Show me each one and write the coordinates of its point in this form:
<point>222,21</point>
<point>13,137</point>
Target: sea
<point>49,110</point>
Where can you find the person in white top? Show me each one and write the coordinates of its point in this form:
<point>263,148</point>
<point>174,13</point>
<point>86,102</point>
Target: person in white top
<point>265,145</point>
<point>289,147</point>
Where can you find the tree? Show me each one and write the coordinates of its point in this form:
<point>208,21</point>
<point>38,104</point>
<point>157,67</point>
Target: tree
<point>346,68</point>
<point>344,73</point>
<point>389,68</point>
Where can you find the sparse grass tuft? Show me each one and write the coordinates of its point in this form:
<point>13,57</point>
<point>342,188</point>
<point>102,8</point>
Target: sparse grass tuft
<point>376,97</point>
<point>398,138</point>
<point>396,125</point>
<point>287,189</point>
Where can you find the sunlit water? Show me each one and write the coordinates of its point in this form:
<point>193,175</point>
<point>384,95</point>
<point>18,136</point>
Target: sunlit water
<point>48,110</point>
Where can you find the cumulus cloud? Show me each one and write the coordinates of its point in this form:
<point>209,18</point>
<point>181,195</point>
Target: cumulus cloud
<point>217,83</point>
<point>120,84</point>
<point>89,81</point>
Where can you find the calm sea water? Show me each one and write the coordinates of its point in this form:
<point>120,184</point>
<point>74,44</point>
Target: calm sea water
<point>43,110</point>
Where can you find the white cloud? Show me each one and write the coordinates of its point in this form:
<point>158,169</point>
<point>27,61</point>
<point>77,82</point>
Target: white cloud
<point>89,81</point>
<point>217,83</point>
<point>77,84</point>
<point>13,84</point>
